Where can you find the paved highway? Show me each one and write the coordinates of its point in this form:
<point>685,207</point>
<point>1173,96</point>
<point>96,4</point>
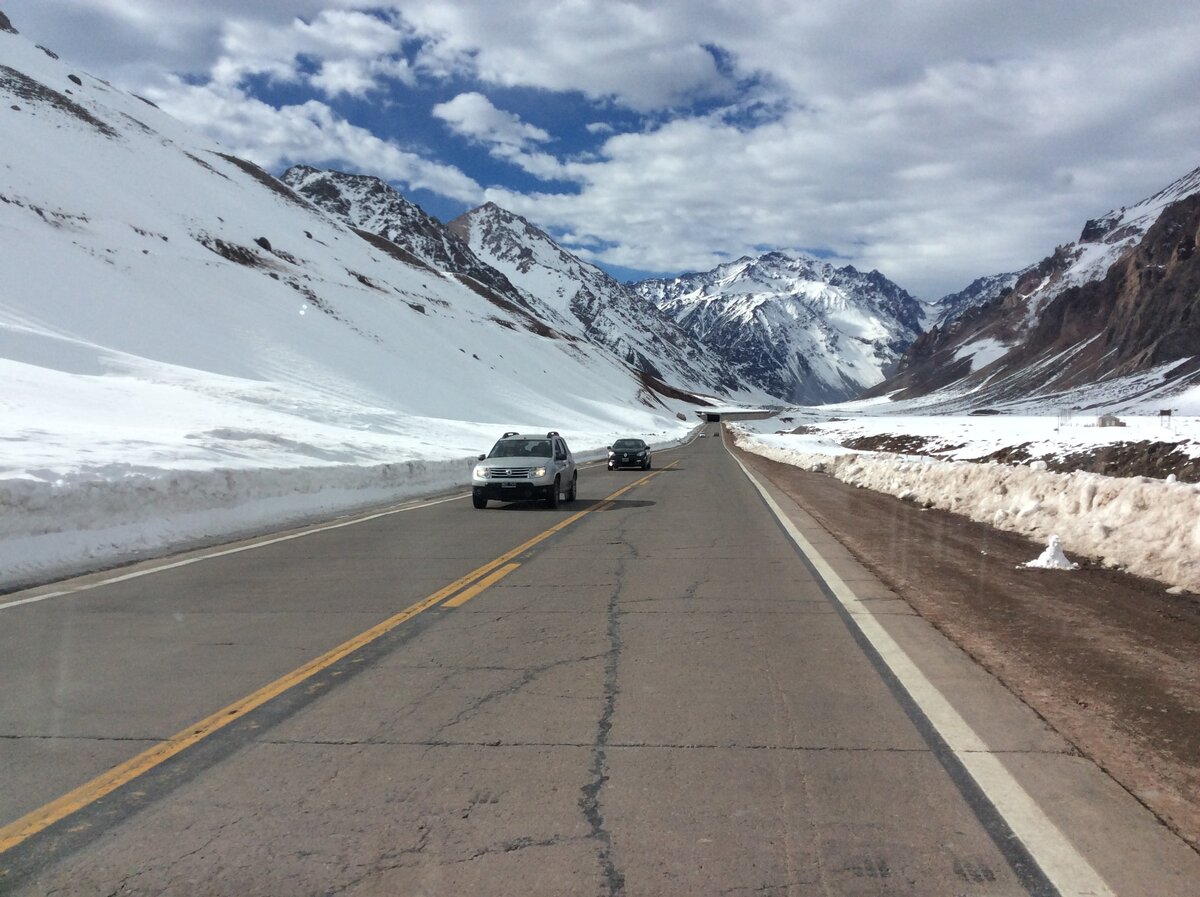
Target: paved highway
<point>661,689</point>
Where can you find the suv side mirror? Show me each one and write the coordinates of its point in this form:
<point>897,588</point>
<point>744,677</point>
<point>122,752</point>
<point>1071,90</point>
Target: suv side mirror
<point>481,457</point>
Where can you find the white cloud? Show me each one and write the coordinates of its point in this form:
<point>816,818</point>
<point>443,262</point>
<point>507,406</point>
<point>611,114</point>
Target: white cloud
<point>472,115</point>
<point>133,42</point>
<point>354,52</point>
<point>630,51</point>
<point>227,40</point>
<point>350,33</point>
<point>310,132</point>
<point>357,77</point>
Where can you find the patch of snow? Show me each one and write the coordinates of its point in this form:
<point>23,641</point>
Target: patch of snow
<point>982,352</point>
<point>1052,558</point>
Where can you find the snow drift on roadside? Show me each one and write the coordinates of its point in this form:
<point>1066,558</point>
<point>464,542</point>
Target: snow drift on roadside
<point>94,521</point>
<point>1149,527</point>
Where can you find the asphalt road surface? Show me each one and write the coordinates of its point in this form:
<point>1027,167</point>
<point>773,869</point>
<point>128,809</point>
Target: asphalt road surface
<point>660,689</point>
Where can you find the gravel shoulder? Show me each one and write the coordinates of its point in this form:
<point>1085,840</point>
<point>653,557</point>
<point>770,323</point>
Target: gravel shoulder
<point>1110,660</point>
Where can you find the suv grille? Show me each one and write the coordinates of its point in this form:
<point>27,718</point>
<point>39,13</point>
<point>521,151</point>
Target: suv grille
<point>509,473</point>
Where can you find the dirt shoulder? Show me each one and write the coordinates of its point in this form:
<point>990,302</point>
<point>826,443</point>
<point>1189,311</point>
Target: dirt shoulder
<point>1111,661</point>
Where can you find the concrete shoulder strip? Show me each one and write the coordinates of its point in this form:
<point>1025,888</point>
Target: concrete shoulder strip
<point>1058,859</point>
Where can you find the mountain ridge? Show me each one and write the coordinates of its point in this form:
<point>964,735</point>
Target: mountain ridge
<point>801,328</point>
<point>607,311</point>
<point>1119,301</point>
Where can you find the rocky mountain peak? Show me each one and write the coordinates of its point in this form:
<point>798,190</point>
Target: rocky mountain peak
<point>800,328</point>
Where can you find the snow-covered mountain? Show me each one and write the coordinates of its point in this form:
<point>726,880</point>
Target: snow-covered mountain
<point>1120,301</point>
<point>188,347</point>
<point>801,329</point>
<point>607,312</point>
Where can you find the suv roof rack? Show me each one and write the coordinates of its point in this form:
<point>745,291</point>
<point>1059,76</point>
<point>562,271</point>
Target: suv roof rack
<point>509,433</point>
<point>552,433</point>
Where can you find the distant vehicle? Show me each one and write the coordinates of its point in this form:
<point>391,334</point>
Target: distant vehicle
<point>629,453</point>
<point>702,435</point>
<point>524,466</point>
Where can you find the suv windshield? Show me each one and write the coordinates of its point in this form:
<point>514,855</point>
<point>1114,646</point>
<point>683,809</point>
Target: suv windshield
<point>522,448</point>
<point>628,444</point>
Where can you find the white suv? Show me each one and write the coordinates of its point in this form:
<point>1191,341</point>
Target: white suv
<point>523,466</point>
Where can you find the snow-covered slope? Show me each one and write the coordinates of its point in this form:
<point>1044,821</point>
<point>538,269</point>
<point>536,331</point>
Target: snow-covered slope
<point>607,312</point>
<point>803,330</point>
<point>374,207</point>
<point>183,337</point>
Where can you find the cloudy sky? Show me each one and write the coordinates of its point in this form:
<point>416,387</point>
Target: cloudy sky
<point>934,140</point>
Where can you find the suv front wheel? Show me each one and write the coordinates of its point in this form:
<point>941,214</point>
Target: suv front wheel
<point>552,498</point>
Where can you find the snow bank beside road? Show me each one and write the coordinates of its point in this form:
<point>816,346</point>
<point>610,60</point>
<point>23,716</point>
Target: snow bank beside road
<point>89,521</point>
<point>118,513</point>
<point>1149,527</point>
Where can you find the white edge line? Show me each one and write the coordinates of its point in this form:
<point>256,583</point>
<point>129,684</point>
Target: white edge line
<point>226,551</point>
<point>1073,875</point>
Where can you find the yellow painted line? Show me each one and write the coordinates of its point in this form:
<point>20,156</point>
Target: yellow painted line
<point>42,818</point>
<point>14,833</point>
<point>487,582</point>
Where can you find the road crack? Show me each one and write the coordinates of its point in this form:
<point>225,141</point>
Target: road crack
<point>590,802</point>
<point>527,677</point>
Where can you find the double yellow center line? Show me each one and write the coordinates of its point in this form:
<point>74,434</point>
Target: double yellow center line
<point>458,592</point>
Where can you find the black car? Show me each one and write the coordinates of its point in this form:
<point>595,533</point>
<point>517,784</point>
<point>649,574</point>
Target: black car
<point>629,453</point>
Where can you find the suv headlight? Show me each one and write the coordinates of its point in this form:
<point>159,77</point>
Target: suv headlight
<point>481,472</point>
<point>539,472</point>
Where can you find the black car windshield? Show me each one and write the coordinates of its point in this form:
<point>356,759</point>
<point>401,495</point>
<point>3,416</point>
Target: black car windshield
<point>522,448</point>
<point>629,444</point>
